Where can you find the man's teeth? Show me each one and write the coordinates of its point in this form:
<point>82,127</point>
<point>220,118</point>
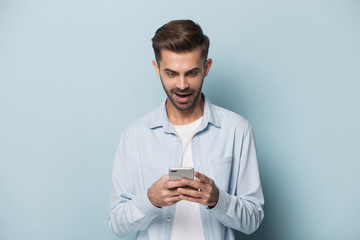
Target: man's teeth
<point>183,95</point>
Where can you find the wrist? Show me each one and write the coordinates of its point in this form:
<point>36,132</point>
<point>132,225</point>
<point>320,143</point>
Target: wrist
<point>151,199</point>
<point>216,199</point>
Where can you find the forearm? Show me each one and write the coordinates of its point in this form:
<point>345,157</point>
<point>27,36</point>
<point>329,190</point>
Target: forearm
<point>238,213</point>
<point>133,215</point>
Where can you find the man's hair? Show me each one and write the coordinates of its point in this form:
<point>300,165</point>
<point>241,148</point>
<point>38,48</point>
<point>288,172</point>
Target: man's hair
<point>180,36</point>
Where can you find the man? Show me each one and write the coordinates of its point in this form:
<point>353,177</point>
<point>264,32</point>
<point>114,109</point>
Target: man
<point>186,130</point>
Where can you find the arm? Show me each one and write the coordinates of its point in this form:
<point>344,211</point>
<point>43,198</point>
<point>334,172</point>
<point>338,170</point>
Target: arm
<point>131,214</point>
<point>238,213</point>
<point>131,211</point>
<point>229,210</point>
<point>242,210</point>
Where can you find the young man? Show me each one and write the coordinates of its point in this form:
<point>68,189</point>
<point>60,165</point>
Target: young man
<point>186,130</point>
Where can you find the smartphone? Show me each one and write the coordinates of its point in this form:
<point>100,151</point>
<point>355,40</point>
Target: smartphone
<point>181,172</point>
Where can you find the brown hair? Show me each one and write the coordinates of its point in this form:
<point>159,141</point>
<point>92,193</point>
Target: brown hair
<point>180,36</point>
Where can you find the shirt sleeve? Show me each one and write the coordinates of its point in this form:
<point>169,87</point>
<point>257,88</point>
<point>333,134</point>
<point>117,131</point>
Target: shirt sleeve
<point>243,210</point>
<point>130,211</point>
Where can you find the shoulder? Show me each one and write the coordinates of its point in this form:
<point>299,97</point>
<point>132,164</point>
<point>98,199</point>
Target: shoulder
<point>228,118</point>
<point>143,123</point>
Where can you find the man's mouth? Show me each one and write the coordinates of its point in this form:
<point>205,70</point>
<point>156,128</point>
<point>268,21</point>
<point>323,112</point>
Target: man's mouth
<point>182,97</point>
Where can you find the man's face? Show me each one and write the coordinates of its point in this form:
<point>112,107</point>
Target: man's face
<point>182,76</point>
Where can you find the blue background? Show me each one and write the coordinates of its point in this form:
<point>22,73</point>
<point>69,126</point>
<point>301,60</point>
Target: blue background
<point>74,73</point>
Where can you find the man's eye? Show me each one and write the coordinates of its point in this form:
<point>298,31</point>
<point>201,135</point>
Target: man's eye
<point>171,74</point>
<point>192,74</point>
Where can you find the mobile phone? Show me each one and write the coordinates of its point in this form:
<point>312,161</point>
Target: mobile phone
<point>179,173</point>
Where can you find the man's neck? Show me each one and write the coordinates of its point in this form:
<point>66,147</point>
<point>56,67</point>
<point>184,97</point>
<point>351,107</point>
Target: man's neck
<point>179,117</point>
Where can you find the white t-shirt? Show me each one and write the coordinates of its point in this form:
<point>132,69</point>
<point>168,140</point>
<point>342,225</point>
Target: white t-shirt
<point>187,220</point>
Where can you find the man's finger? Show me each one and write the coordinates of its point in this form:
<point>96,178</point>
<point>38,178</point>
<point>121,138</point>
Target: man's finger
<point>202,177</point>
<point>173,184</point>
<point>173,200</point>
<point>173,192</point>
<point>194,184</point>
<point>189,192</point>
<point>190,199</point>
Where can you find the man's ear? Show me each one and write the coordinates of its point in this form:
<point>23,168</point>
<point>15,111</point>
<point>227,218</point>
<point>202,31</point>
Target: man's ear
<point>156,67</point>
<point>207,66</point>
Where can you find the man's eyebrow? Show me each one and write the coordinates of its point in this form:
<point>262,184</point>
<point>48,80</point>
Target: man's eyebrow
<point>196,69</point>
<point>169,70</point>
<point>193,70</point>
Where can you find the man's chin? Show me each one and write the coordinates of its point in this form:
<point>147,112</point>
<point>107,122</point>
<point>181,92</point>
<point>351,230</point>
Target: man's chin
<point>182,106</point>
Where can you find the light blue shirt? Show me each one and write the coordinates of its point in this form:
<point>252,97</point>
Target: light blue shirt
<point>223,149</point>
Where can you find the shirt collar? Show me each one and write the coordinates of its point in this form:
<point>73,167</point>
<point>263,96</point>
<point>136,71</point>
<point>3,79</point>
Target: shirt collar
<point>159,117</point>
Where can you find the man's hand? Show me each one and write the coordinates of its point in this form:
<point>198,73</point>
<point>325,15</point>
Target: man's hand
<point>203,190</point>
<point>164,192</point>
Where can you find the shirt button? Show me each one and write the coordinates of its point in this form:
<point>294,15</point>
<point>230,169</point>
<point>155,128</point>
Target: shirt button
<point>168,220</point>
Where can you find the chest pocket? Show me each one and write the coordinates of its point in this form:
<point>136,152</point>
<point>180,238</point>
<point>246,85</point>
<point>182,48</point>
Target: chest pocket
<point>220,171</point>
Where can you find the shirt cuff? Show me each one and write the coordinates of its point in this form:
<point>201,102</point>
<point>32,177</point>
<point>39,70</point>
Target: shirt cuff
<point>222,204</point>
<point>143,203</point>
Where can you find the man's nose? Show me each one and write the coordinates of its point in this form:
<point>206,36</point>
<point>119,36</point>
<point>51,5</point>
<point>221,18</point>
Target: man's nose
<point>183,83</point>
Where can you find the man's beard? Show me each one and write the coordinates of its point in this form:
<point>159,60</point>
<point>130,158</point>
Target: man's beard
<point>196,93</point>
